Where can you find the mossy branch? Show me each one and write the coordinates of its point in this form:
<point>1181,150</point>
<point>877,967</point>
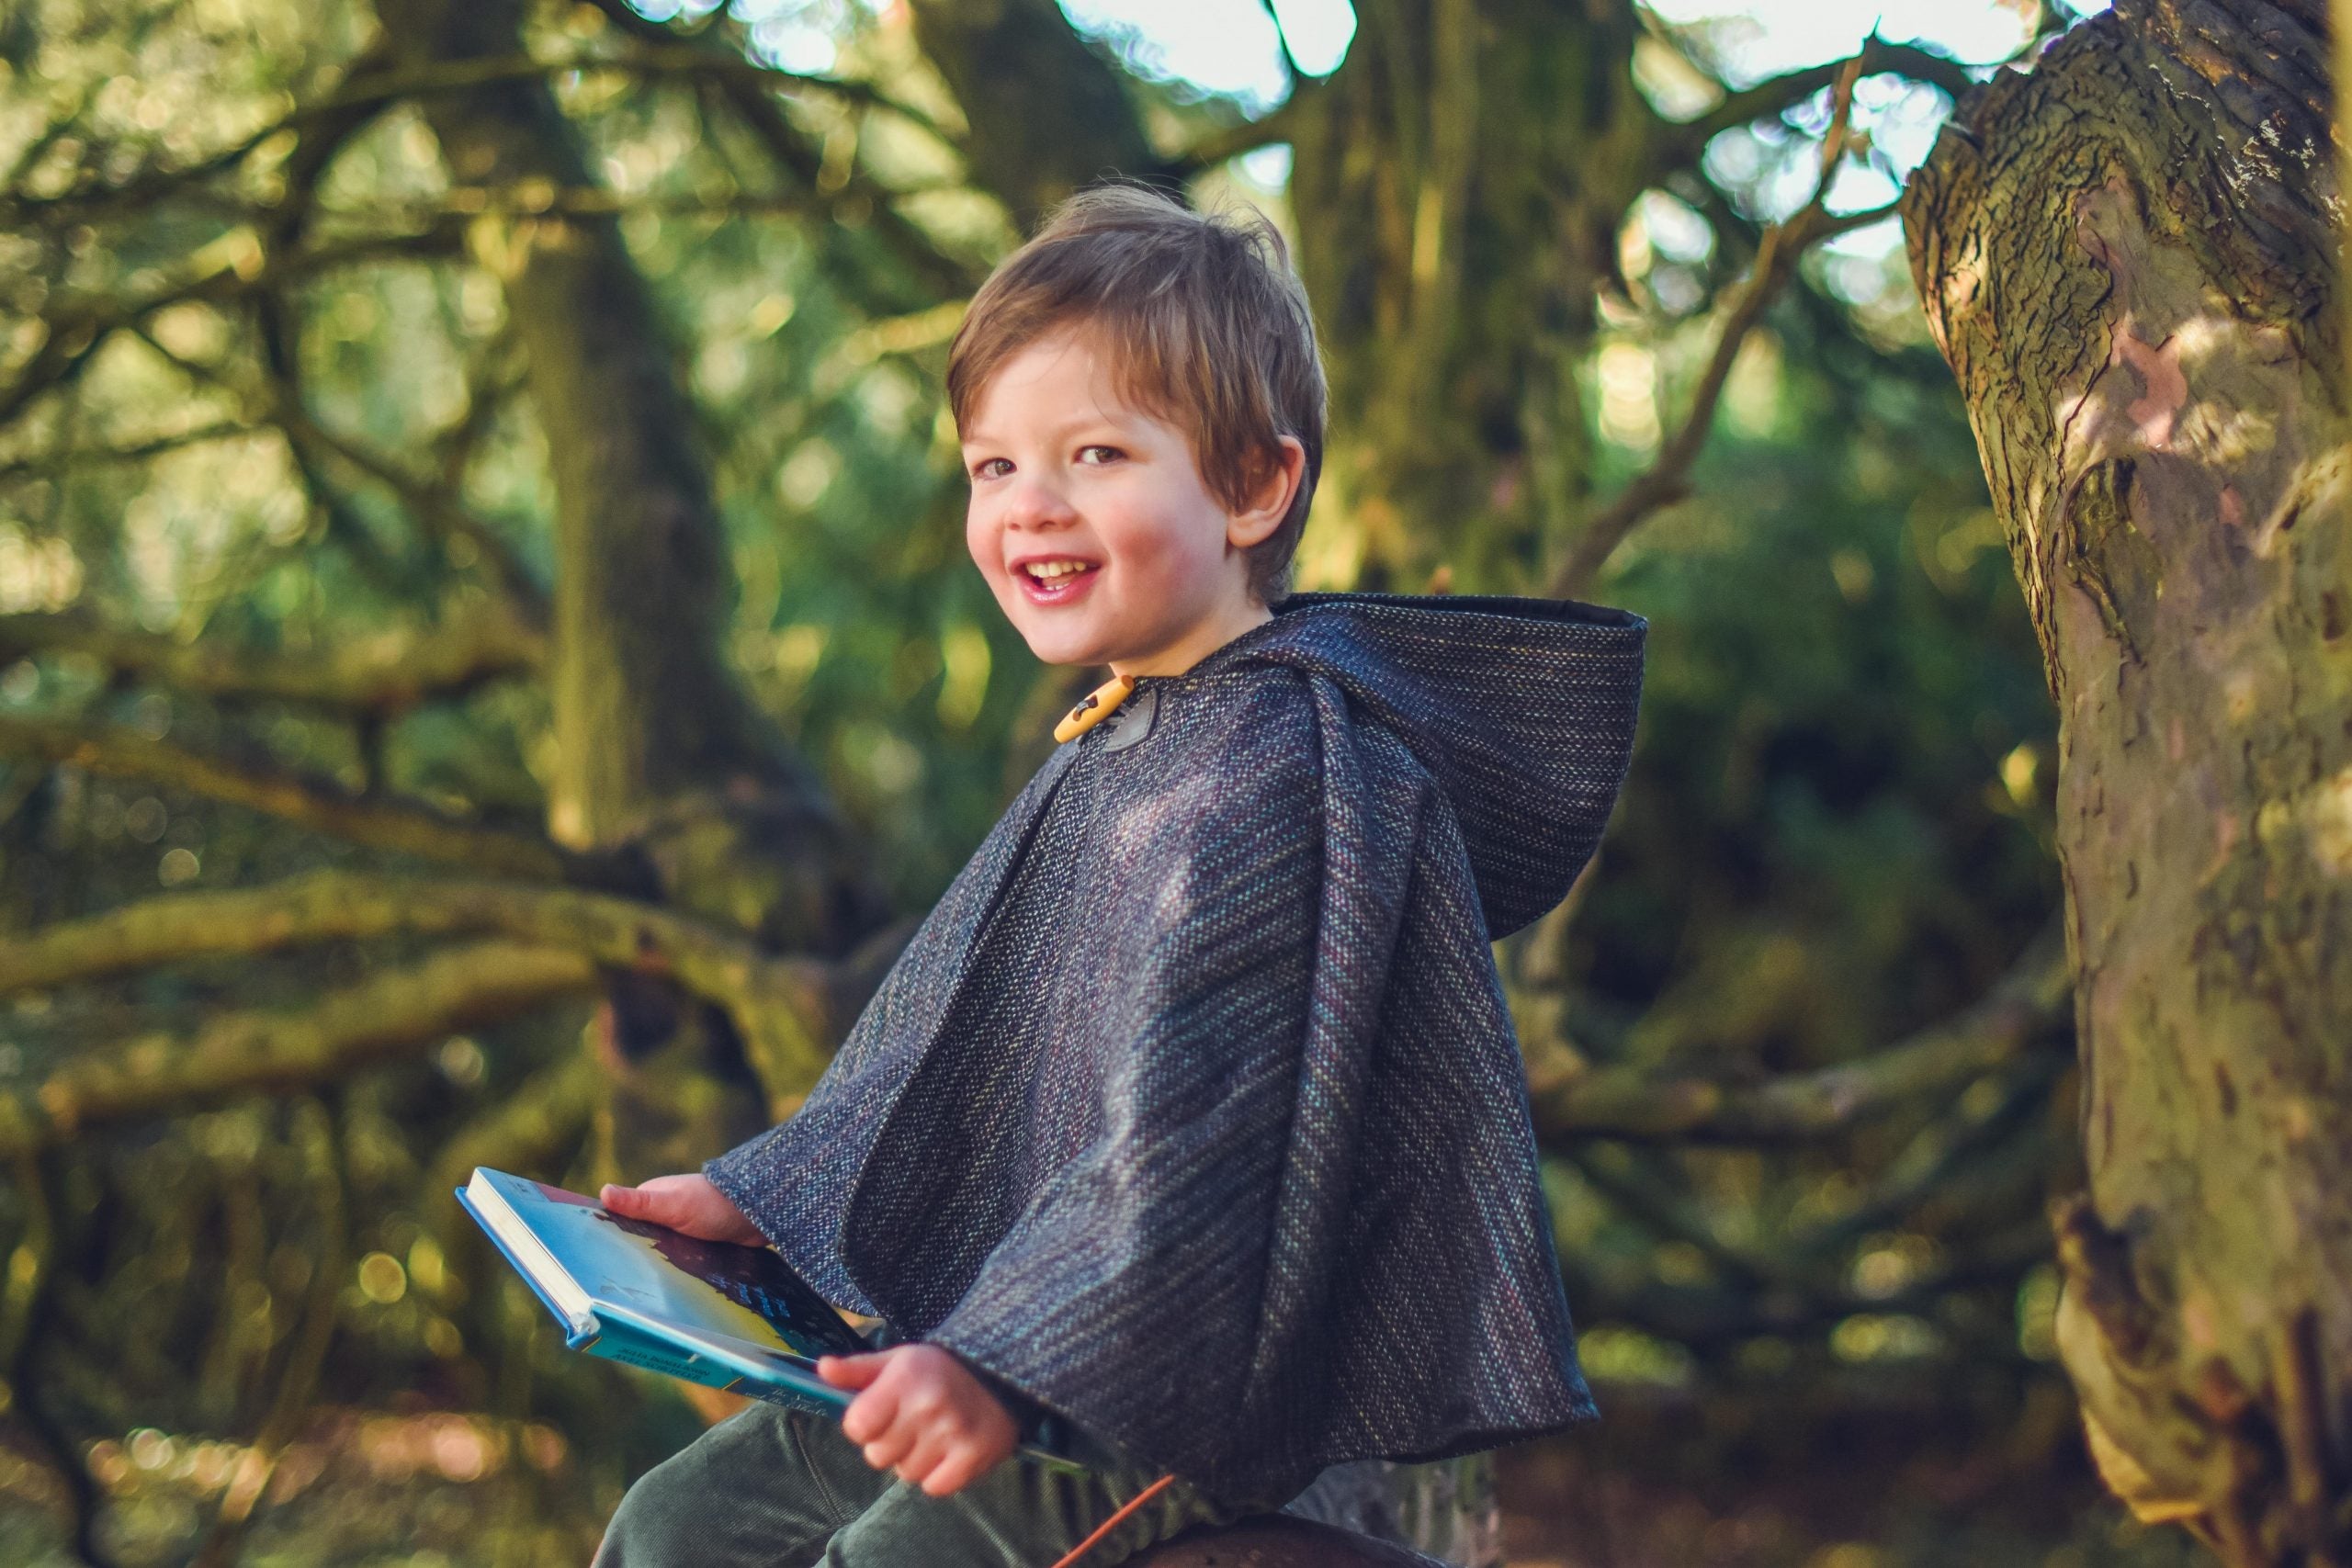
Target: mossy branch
<point>438,508</point>
<point>394,1011</point>
<point>374,86</point>
<point>385,673</point>
<point>388,824</point>
<point>782,1007</point>
<point>1639,1104</point>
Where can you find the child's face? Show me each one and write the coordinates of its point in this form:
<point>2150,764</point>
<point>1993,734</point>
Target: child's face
<point>1062,471</point>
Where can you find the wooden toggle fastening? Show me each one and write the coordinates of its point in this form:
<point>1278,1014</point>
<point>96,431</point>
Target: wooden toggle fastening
<point>1095,707</point>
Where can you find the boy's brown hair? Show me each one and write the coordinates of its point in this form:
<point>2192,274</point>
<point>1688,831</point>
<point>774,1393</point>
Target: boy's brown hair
<point>1206,326</point>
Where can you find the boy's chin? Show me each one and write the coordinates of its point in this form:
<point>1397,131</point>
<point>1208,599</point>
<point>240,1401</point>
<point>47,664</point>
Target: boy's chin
<point>1064,650</point>
<point>1072,660</point>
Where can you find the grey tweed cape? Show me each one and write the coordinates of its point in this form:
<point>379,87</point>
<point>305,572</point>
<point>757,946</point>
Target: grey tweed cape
<point>1193,1112</point>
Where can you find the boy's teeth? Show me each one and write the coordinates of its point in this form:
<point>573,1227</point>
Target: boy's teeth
<point>1056,569</point>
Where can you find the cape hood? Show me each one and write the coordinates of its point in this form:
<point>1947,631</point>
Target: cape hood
<point>1192,1114</point>
<point>1522,710</point>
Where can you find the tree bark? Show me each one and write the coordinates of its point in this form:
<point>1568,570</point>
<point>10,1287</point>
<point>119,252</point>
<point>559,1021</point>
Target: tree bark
<point>2128,259</point>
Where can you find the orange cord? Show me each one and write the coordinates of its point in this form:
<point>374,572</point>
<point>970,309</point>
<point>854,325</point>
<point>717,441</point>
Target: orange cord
<point>1129,1506</point>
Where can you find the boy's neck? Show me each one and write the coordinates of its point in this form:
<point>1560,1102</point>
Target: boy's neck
<point>1197,645</point>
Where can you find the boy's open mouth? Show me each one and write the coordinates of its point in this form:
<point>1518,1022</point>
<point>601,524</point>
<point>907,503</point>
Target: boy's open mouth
<point>1054,580</point>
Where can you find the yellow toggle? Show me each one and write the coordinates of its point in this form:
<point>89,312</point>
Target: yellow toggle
<point>1091,711</point>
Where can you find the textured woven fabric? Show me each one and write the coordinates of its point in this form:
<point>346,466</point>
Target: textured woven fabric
<point>1193,1111</point>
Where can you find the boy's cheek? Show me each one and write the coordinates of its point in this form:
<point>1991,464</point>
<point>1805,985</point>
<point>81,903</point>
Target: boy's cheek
<point>981,541</point>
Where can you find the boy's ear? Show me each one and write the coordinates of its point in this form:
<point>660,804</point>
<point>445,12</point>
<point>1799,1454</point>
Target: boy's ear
<point>1281,472</point>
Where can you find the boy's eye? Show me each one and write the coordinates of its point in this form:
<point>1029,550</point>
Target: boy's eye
<point>980,469</point>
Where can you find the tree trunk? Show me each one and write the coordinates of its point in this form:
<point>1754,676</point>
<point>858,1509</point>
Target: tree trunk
<point>1457,188</point>
<point>661,761</point>
<point>1034,148</point>
<point>2128,259</point>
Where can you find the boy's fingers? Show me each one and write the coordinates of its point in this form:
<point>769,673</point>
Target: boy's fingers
<point>687,1203</point>
<point>645,1202</point>
<point>964,1464</point>
<point>895,1442</point>
<point>923,1458</point>
<point>870,1414</point>
<point>947,1480</point>
<point>851,1371</point>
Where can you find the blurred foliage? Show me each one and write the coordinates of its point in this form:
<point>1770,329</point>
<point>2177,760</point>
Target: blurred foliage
<point>860,624</point>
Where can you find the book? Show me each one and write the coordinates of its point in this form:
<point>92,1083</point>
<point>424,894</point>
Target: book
<point>713,1313</point>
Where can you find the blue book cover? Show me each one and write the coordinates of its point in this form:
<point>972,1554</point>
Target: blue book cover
<point>708,1311</point>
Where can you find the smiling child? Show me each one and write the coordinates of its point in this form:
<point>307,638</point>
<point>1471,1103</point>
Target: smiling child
<point>1191,1117</point>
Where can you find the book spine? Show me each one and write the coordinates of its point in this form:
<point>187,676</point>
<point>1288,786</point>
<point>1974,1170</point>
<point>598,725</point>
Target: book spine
<point>575,1333</point>
<point>617,1339</point>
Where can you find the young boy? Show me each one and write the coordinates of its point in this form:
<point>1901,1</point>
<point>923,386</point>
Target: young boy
<point>1191,1116</point>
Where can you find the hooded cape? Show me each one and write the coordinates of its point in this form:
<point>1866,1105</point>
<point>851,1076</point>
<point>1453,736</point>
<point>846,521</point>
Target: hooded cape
<point>1192,1112</point>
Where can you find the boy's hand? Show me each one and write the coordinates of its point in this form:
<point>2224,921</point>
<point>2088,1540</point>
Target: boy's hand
<point>687,1203</point>
<point>922,1413</point>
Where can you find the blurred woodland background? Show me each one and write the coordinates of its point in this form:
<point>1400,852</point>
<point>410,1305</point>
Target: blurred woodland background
<point>490,673</point>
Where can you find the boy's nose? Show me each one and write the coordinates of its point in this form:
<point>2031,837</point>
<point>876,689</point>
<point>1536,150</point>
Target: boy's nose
<point>1036,504</point>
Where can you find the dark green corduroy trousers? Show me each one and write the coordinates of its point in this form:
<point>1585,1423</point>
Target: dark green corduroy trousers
<point>780,1488</point>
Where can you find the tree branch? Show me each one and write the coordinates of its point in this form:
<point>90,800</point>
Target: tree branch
<point>29,1311</point>
<point>748,88</point>
<point>1219,146</point>
<point>1049,115</point>
<point>1799,1280</point>
<point>1716,1316</point>
<point>1631,1102</point>
<point>1292,74</point>
<point>49,464</point>
<point>306,1356</point>
<point>1679,141</point>
<point>434,506</point>
<point>385,673</point>
<point>1667,479</point>
<point>87,197</point>
<point>783,1008</point>
<point>1960,1161</point>
<point>393,1010</point>
<point>1642,1194</point>
<point>371,89</point>
<point>234,266</point>
<point>312,802</point>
